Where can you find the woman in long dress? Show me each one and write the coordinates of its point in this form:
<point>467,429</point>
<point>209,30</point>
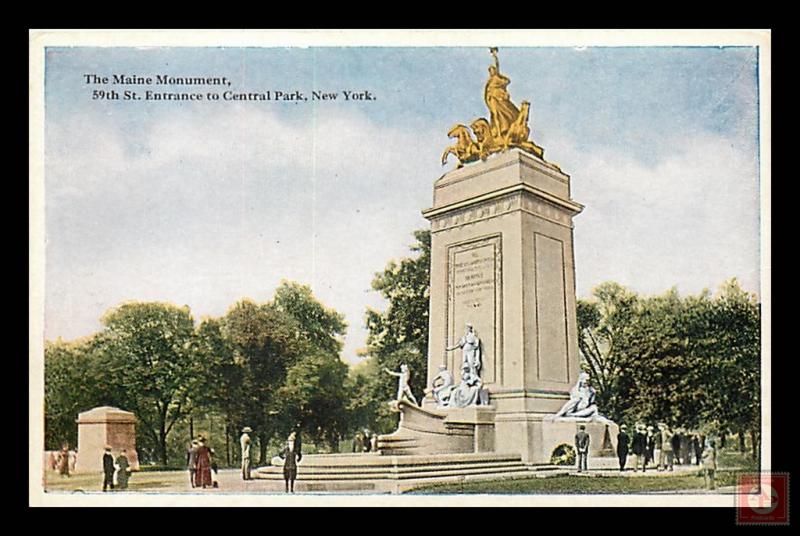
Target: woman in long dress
<point>203,466</point>
<point>122,470</point>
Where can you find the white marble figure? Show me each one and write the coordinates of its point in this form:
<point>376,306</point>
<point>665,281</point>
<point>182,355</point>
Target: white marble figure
<point>471,347</point>
<point>468,391</point>
<point>403,389</point>
<point>442,386</point>
<point>581,403</point>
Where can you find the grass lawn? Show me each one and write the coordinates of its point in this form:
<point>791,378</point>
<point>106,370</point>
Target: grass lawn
<point>599,484</point>
<point>139,481</point>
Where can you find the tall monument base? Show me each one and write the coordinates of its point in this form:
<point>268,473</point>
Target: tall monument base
<point>477,430</point>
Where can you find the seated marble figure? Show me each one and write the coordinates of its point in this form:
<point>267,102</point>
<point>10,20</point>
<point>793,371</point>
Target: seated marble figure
<point>466,393</point>
<point>442,386</point>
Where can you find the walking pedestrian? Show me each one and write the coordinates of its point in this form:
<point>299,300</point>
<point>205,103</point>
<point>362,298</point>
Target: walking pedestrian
<point>108,469</point>
<point>622,446</point>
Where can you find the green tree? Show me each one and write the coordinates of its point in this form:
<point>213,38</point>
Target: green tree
<point>733,396</point>
<point>147,357</point>
<point>604,326</point>
<point>690,361</point>
<point>266,342</point>
<point>665,359</point>
<point>314,400</point>
<point>320,327</point>
<point>218,380</point>
<point>399,334</point>
<point>73,383</point>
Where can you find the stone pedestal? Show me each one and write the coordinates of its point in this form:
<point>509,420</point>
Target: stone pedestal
<point>103,426</point>
<point>428,431</point>
<point>502,259</point>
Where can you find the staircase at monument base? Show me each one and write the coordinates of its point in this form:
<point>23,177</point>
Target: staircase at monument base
<point>393,474</point>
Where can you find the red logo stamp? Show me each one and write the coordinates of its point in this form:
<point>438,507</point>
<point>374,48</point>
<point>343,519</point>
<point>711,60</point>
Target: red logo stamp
<point>762,499</point>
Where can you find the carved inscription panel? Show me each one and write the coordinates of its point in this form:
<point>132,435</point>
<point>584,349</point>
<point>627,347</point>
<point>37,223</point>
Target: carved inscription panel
<point>475,296</point>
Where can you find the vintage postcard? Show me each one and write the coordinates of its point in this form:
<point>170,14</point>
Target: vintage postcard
<point>522,268</point>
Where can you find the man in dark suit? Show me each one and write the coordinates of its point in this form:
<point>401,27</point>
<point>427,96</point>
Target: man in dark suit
<point>108,469</point>
<point>639,448</point>
<point>291,455</point>
<point>622,446</point>
<point>651,445</point>
<point>582,448</point>
<point>676,447</point>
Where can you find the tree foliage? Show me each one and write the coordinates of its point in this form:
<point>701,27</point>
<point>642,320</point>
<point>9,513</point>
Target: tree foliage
<point>73,383</point>
<point>147,354</point>
<point>399,334</point>
<point>272,366</point>
<point>689,361</point>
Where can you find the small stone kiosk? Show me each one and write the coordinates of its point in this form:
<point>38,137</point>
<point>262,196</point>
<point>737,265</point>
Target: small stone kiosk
<point>101,426</point>
<point>502,264</point>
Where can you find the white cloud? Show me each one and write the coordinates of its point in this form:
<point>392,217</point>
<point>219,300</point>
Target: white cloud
<point>690,219</point>
<point>206,208</point>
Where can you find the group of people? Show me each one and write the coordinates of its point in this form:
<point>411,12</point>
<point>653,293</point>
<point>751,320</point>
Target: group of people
<point>365,442</point>
<point>662,448</point>
<point>202,464</point>
<point>659,447</point>
<point>115,471</point>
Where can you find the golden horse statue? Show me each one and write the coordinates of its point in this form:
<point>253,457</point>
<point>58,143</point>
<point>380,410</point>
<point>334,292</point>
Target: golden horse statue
<point>486,142</point>
<point>506,128</point>
<point>518,132</point>
<point>465,149</point>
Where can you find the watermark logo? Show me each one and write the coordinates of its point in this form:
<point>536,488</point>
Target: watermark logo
<point>762,499</point>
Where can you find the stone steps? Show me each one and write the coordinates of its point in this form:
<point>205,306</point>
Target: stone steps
<point>352,473</point>
<point>373,473</point>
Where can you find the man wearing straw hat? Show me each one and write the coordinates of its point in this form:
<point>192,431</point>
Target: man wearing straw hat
<point>191,460</point>
<point>245,440</point>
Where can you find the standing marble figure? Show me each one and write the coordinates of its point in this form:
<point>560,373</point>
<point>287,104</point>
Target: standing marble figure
<point>403,389</point>
<point>245,441</point>
<point>471,348</point>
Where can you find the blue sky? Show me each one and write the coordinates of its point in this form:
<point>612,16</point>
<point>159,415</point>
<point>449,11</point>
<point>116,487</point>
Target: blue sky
<point>206,203</point>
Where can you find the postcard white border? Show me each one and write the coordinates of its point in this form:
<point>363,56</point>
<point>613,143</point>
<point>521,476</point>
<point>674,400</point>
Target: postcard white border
<point>39,39</point>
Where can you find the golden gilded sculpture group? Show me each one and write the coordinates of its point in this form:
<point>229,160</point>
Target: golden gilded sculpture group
<point>507,126</point>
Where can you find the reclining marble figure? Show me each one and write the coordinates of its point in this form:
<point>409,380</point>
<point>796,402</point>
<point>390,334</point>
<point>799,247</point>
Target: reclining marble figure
<point>581,403</point>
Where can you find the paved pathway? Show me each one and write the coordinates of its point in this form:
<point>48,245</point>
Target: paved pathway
<point>230,480</point>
